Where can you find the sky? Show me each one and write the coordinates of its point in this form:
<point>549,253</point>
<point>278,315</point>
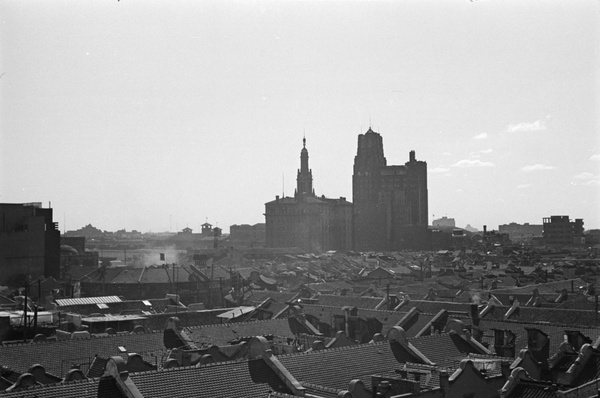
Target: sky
<point>160,115</point>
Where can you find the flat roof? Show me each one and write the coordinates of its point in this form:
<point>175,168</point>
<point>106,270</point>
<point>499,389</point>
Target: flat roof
<point>88,300</point>
<point>112,318</point>
<point>236,312</point>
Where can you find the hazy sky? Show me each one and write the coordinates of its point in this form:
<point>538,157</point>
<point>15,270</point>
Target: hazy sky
<point>157,115</point>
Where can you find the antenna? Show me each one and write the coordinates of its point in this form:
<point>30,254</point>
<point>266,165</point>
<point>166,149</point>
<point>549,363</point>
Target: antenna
<point>283,185</point>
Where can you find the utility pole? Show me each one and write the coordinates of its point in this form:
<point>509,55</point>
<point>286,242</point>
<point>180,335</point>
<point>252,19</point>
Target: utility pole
<point>25,313</point>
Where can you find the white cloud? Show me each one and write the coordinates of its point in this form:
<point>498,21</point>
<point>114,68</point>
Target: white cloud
<point>477,154</point>
<point>589,177</point>
<point>472,163</point>
<point>595,157</point>
<point>594,181</point>
<point>447,154</point>
<point>523,186</point>
<point>536,167</point>
<point>584,176</point>
<point>538,125</point>
<point>439,170</point>
<point>481,136</point>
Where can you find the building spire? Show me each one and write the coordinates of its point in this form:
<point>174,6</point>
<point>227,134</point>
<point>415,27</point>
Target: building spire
<point>304,179</point>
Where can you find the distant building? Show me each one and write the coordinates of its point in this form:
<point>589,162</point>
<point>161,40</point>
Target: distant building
<point>29,243</point>
<point>88,232</point>
<point>521,233</point>
<point>444,222</point>
<point>314,224</point>
<point>246,235</point>
<point>560,230</point>
<point>470,228</point>
<point>390,202</point>
<point>209,237</point>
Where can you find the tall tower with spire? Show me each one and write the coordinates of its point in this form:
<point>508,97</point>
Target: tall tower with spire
<point>304,179</point>
<point>312,223</point>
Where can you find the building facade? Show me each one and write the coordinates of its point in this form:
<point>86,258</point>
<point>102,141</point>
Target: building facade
<point>29,243</point>
<point>521,233</point>
<point>560,230</point>
<point>444,222</point>
<point>314,224</point>
<point>246,235</point>
<point>390,202</point>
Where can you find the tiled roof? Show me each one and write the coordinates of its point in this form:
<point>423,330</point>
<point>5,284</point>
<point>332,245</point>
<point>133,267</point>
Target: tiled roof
<point>565,362</point>
<point>221,334</point>
<point>278,302</point>
<point>445,350</point>
<point>532,314</point>
<point>433,307</point>
<point>57,357</point>
<point>548,287</point>
<point>325,314</point>
<point>320,391</point>
<point>591,370</point>
<point>533,390</point>
<point>352,301</point>
<point>555,333</point>
<point>87,388</point>
<point>244,378</point>
<point>331,286</point>
<point>335,368</point>
<point>559,316</point>
<point>102,275</point>
<point>75,273</point>
<point>412,370</point>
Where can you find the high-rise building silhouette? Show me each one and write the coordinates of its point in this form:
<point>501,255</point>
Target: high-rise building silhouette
<point>29,243</point>
<point>312,223</point>
<point>390,202</point>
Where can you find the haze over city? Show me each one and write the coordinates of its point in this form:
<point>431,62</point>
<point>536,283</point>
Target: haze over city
<point>157,116</point>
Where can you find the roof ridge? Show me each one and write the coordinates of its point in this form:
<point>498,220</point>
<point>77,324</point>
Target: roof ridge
<point>319,387</point>
<point>430,336</point>
<point>343,348</point>
<point>206,365</point>
<point>359,308</point>
<point>215,325</point>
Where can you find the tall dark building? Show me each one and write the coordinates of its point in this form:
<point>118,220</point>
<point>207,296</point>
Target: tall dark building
<point>390,202</point>
<point>29,243</point>
<point>314,224</point>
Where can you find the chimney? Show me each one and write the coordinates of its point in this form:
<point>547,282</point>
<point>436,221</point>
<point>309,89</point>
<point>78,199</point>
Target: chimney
<point>509,344</point>
<point>505,366</point>
<point>538,343</point>
<point>498,341</point>
<point>445,383</point>
<point>347,320</point>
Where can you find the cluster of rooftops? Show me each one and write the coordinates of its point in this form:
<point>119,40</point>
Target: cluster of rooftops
<point>281,344</point>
